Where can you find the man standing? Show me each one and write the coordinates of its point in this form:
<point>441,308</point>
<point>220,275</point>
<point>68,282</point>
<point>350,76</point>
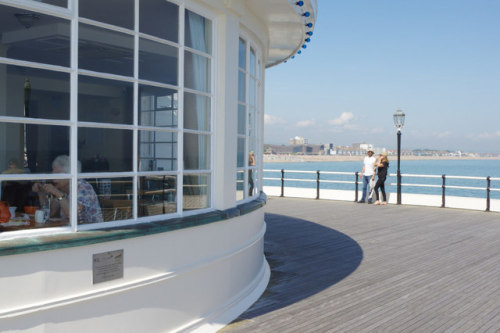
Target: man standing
<point>367,173</point>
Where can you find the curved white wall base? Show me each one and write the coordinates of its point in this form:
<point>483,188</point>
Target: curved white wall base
<point>226,314</point>
<point>198,278</point>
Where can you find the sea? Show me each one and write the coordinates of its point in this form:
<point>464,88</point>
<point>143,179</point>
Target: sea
<point>421,184</point>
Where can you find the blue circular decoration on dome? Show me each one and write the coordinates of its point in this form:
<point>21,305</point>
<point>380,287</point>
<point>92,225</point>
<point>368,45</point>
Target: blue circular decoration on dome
<point>306,14</point>
<point>300,3</point>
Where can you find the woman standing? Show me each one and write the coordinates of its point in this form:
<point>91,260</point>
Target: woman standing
<point>382,164</point>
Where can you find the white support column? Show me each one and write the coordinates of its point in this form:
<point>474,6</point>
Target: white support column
<point>226,112</point>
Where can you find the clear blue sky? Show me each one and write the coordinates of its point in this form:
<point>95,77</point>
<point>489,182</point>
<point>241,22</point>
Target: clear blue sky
<point>437,60</point>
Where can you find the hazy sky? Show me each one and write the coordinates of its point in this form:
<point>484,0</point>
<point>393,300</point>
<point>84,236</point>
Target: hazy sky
<point>437,60</point>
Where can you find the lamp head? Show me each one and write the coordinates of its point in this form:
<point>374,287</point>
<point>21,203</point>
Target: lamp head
<point>399,119</point>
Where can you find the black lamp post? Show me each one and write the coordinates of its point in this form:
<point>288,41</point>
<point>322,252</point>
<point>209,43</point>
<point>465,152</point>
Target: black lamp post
<point>399,121</point>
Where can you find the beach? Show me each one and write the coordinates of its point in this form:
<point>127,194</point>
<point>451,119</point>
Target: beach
<point>343,158</point>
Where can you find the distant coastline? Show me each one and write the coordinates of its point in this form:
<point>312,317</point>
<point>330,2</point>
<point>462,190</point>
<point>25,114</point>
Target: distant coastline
<point>342,158</point>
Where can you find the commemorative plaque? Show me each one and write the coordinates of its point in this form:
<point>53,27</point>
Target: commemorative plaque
<point>107,266</point>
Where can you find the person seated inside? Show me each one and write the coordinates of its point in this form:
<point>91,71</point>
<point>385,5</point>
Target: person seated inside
<point>89,210</point>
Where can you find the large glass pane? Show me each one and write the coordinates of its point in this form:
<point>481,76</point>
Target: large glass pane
<point>34,93</point>
<point>240,185</point>
<point>157,195</point>
<point>196,192</point>
<point>242,54</point>
<point>197,72</point>
<point>252,62</point>
<point>157,151</point>
<point>241,119</point>
<point>240,160</point>
<point>159,18</point>
<point>196,151</point>
<point>251,122</point>
<point>31,147</point>
<point>251,97</point>
<point>35,204</point>
<point>198,33</point>
<point>111,147</point>
<point>157,62</point>
<point>196,112</point>
<point>106,51</point>
<point>115,12</point>
<point>115,197</point>
<point>105,101</point>
<point>157,106</point>
<point>241,87</point>
<point>60,3</point>
<point>253,182</point>
<point>31,36</point>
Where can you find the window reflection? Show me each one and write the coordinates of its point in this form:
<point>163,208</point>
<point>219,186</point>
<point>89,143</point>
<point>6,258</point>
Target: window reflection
<point>241,87</point>
<point>115,197</point>
<point>196,192</point>
<point>32,36</point>
<point>242,54</point>
<point>196,151</point>
<point>105,101</point>
<point>197,72</point>
<point>32,146</point>
<point>196,112</point>
<point>241,119</point>
<point>120,13</point>
<point>240,184</point>
<point>157,195</point>
<point>198,33</point>
<point>157,62</point>
<point>34,93</point>
<point>106,51</point>
<point>157,151</point>
<point>158,106</point>
<point>240,161</point>
<point>105,149</point>
<point>159,18</point>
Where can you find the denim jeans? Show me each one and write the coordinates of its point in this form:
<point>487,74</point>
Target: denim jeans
<point>366,181</point>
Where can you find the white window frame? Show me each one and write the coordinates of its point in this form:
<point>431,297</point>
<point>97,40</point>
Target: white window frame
<point>71,14</point>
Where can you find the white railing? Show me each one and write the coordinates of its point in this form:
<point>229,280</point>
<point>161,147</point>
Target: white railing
<point>316,178</point>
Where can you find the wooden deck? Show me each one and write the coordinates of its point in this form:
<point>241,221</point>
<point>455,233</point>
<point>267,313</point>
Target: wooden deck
<point>348,267</point>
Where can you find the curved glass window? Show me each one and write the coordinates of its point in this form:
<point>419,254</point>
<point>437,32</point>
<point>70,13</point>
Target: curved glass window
<point>114,12</point>
<point>99,132</point>
<point>159,18</point>
<point>104,100</point>
<point>105,51</point>
<point>32,36</point>
<point>198,32</point>
<point>34,93</point>
<point>157,62</point>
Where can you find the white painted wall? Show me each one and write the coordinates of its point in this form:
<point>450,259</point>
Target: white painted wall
<point>199,277</point>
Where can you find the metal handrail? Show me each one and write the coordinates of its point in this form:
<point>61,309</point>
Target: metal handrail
<point>443,185</point>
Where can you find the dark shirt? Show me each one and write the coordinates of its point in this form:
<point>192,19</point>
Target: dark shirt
<point>382,171</point>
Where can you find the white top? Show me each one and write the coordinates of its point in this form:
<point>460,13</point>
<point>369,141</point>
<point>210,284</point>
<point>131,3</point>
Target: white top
<point>369,166</point>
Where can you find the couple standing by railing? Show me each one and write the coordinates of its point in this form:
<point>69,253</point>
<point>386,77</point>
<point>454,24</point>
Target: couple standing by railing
<point>372,165</point>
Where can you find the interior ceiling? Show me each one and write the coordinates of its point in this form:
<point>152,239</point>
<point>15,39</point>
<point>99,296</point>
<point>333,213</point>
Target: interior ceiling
<point>286,26</point>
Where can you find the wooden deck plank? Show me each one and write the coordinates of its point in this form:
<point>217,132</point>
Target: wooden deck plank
<point>347,267</point>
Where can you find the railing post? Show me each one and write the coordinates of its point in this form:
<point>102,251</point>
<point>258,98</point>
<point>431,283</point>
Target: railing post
<point>443,190</point>
<point>356,190</point>
<point>282,182</point>
<point>317,185</point>
<point>488,184</point>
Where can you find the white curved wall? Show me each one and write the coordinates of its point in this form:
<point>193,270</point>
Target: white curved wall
<point>195,278</point>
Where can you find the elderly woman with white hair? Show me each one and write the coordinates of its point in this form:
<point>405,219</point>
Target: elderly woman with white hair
<point>89,210</point>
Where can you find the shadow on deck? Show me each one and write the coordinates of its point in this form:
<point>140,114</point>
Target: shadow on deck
<point>302,266</point>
